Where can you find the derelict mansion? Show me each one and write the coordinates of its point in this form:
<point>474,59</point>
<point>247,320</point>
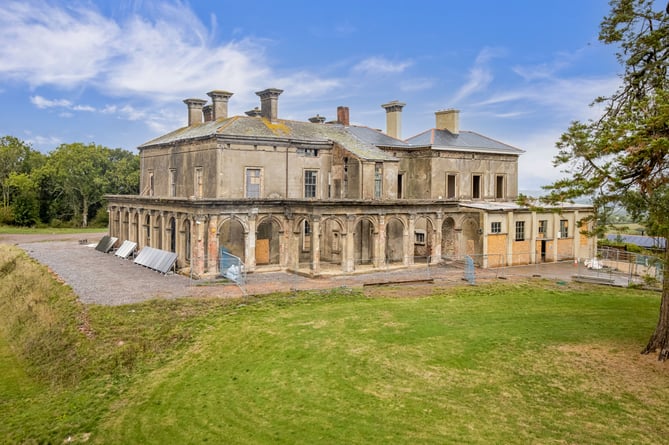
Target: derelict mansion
<point>316,196</point>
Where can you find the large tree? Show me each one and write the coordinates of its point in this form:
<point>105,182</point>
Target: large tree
<point>80,175</point>
<point>623,157</point>
<point>16,157</point>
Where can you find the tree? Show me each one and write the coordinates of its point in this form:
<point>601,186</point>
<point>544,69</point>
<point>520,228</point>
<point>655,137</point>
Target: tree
<point>623,157</point>
<point>25,204</point>
<point>15,157</point>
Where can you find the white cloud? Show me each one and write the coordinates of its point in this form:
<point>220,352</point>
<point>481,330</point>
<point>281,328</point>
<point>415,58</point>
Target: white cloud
<point>480,74</point>
<point>42,103</point>
<point>169,56</point>
<point>378,65</point>
<point>418,84</point>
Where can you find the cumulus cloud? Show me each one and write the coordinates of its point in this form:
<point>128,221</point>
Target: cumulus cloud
<point>381,65</point>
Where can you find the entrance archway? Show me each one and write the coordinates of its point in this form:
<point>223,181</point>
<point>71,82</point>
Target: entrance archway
<point>394,241</point>
<point>364,242</point>
<point>231,236</point>
<point>268,242</point>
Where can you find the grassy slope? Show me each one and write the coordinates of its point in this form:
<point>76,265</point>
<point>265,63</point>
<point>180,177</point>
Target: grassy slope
<point>507,364</point>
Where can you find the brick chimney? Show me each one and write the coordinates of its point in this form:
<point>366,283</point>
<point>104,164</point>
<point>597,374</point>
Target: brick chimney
<point>269,103</point>
<point>342,116</point>
<point>208,113</point>
<point>219,100</point>
<point>394,118</point>
<point>448,120</point>
<point>194,111</point>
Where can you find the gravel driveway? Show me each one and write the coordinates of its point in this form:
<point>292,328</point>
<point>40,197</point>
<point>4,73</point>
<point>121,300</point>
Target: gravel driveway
<point>99,278</point>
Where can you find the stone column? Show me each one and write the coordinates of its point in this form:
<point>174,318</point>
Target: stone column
<point>197,263</point>
<point>510,237</point>
<point>381,248</point>
<point>436,252</point>
<point>576,233</point>
<point>348,259</point>
<point>212,244</point>
<point>409,235</point>
<point>250,241</point>
<point>484,227</point>
<point>556,234</point>
<point>316,245</point>
<point>533,239</point>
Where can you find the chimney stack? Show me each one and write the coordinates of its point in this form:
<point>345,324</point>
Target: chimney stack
<point>194,111</point>
<point>394,118</point>
<point>219,100</point>
<point>208,113</point>
<point>342,116</point>
<point>269,103</point>
<point>448,120</point>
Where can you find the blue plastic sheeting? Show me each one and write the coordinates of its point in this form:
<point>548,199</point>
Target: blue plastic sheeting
<point>106,244</point>
<point>649,242</point>
<point>156,259</point>
<point>126,249</point>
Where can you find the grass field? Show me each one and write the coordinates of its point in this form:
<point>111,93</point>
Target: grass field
<point>15,230</point>
<point>514,363</point>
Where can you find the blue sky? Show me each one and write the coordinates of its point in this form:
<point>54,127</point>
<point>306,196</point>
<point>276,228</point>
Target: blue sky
<point>116,72</point>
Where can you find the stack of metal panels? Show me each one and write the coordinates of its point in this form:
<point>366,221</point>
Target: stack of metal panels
<point>156,259</point>
<point>126,249</point>
<point>106,244</point>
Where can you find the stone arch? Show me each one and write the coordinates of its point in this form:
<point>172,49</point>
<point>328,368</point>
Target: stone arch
<point>146,232</point>
<point>232,236</point>
<point>363,241</point>
<point>303,229</point>
<point>332,240</point>
<point>395,229</point>
<point>448,238</point>
<point>135,227</point>
<point>423,239</point>
<point>472,238</point>
<point>172,229</point>
<point>186,243</point>
<point>268,241</point>
<point>158,232</point>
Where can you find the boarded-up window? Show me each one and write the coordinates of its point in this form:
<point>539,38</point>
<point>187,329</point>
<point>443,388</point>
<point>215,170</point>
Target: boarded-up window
<point>199,182</point>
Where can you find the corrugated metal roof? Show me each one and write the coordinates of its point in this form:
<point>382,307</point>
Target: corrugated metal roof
<point>463,141</point>
<point>650,242</point>
<point>254,127</point>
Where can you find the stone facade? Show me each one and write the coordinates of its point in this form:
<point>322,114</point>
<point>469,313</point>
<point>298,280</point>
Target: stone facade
<point>323,197</point>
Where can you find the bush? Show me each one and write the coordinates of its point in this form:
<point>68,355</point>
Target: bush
<point>6,216</point>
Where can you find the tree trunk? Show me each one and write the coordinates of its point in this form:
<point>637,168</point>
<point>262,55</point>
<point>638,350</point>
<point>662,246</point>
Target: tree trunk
<point>84,213</point>
<point>660,338</point>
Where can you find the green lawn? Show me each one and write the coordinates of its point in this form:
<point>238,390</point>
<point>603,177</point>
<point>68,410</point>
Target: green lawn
<point>511,363</point>
<point>15,230</point>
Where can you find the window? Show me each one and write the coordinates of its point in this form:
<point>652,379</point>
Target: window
<point>476,187</point>
<point>499,187</point>
<point>199,185</point>
<point>496,227</point>
<point>308,152</point>
<point>253,182</point>
<point>400,186</point>
<point>378,180</point>
<point>564,228</point>
<point>543,227</point>
<point>151,189</point>
<point>173,182</point>
<point>419,237</point>
<point>310,183</point>
<point>520,230</point>
<point>306,236</point>
<point>450,186</point>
